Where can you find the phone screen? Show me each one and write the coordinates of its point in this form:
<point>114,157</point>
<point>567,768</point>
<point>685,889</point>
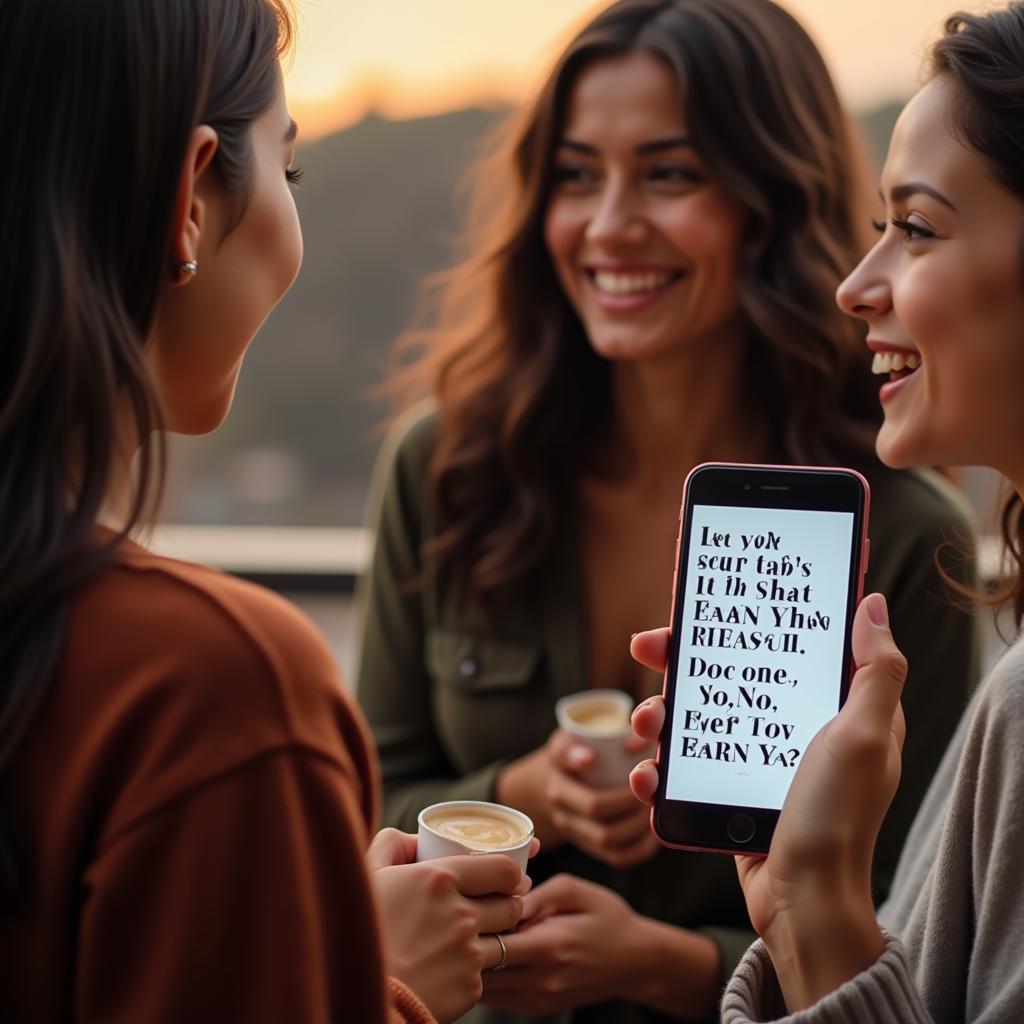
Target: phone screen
<point>761,622</point>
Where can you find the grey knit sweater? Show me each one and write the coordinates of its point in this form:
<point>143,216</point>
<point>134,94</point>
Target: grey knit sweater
<point>955,918</point>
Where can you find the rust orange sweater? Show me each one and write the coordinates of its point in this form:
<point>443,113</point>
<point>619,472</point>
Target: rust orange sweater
<point>195,797</point>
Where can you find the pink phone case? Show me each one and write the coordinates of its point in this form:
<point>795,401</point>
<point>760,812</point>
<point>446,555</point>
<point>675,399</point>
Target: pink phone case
<point>865,549</point>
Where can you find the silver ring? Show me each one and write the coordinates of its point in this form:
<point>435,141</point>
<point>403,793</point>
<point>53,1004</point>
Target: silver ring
<point>503,963</point>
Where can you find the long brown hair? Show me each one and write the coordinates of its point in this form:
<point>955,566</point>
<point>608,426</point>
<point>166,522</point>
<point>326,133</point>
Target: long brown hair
<point>984,55</point>
<point>98,99</point>
<point>522,395</point>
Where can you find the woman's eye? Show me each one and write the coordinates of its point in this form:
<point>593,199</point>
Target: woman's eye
<point>912,230</point>
<point>878,225</point>
<point>573,174</point>
<point>294,175</point>
<point>676,173</point>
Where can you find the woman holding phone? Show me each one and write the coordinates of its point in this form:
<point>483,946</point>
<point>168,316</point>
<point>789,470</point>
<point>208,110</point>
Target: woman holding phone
<point>942,283</point>
<point>187,792</point>
<point>655,247</point>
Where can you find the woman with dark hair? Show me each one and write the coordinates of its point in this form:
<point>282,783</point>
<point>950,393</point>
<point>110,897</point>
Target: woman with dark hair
<point>656,245</point>
<point>187,792</point>
<point>942,284</point>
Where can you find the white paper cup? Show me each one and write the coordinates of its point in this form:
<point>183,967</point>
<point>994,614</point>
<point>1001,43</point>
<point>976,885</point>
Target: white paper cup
<point>612,762</point>
<point>432,844</point>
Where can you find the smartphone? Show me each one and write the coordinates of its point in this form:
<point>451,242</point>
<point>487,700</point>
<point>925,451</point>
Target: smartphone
<point>770,563</point>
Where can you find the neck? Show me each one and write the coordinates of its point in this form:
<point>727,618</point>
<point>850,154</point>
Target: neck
<point>672,413</point>
<point>117,501</point>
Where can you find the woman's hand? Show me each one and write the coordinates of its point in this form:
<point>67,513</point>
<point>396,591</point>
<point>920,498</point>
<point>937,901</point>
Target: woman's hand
<point>810,899</point>
<point>608,823</point>
<point>438,917</point>
<point>561,956</point>
<point>522,784</point>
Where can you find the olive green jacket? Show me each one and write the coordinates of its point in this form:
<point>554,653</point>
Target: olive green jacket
<point>450,701</point>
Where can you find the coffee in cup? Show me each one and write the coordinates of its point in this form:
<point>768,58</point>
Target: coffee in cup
<point>601,720</point>
<point>602,716</point>
<point>473,826</point>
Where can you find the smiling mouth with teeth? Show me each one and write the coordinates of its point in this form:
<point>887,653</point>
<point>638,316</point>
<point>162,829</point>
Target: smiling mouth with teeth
<point>633,284</point>
<point>897,364</point>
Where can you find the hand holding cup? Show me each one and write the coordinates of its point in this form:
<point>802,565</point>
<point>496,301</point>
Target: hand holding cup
<point>599,721</point>
<point>590,755</point>
<point>439,918</point>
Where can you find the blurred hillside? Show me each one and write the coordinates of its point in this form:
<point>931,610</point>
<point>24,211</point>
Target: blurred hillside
<point>378,212</point>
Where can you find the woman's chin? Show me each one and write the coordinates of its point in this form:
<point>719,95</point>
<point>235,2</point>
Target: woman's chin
<point>892,449</point>
<point>959,446</point>
<point>201,417</point>
<point>622,349</point>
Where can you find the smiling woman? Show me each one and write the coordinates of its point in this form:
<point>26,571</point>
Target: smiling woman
<point>942,283</point>
<point>655,247</point>
<point>945,269</point>
<point>645,246</point>
<point>948,268</point>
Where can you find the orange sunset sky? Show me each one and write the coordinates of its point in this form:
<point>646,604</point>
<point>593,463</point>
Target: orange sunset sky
<point>406,58</point>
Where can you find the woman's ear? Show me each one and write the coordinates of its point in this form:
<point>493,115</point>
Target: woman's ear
<point>191,216</point>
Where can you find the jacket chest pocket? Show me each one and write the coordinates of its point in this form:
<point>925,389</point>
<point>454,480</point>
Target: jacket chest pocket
<point>474,664</point>
<point>488,698</point>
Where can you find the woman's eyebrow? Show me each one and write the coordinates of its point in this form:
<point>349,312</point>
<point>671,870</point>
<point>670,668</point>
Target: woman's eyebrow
<point>643,149</point>
<point>292,132</point>
<point>899,193</point>
<point>661,145</point>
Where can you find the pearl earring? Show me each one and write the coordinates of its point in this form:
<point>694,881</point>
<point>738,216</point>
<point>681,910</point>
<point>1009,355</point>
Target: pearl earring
<point>188,270</point>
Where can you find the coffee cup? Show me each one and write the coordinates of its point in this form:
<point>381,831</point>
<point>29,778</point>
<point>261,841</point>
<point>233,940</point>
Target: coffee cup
<point>473,826</point>
<point>601,720</point>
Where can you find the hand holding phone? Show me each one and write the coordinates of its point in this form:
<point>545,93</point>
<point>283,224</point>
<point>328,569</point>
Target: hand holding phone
<point>811,896</point>
<point>769,570</point>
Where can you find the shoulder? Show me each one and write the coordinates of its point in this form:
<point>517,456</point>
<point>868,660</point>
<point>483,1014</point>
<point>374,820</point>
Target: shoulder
<point>990,773</point>
<point>399,492</point>
<point>189,672</point>
<point>218,620</point>
<point>412,440</point>
<point>994,728</point>
<point>1002,694</point>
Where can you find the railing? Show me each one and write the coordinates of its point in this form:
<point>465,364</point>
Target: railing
<point>312,559</point>
<point>318,568</point>
<point>330,558</point>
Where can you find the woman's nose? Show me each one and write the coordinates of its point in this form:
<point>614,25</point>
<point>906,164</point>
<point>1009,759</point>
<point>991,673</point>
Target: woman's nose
<point>618,218</point>
<point>866,292</point>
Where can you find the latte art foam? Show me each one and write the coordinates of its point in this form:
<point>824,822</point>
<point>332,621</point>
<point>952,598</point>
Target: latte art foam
<point>601,716</point>
<point>478,830</point>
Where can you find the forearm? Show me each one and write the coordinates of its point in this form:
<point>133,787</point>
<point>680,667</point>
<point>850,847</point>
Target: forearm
<point>677,972</point>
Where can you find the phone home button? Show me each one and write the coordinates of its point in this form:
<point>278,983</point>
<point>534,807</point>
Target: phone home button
<point>741,828</point>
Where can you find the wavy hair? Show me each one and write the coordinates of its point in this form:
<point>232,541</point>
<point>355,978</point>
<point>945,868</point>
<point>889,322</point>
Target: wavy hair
<point>520,392</point>
<point>98,99</point>
<point>984,55</point>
